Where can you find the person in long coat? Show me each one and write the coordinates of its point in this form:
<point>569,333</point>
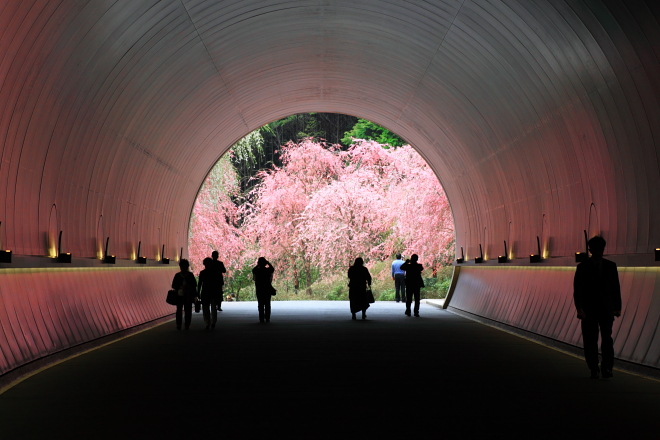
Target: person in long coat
<point>359,278</point>
<point>209,290</point>
<point>262,274</point>
<point>414,282</point>
<point>186,286</point>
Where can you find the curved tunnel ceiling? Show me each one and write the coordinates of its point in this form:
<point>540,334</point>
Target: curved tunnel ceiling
<point>539,118</point>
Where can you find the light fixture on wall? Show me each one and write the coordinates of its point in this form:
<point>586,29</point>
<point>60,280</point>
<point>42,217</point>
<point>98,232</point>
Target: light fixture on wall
<point>480,258</point>
<point>536,258</point>
<point>583,256</point>
<point>163,259</point>
<point>109,259</point>
<point>462,259</point>
<point>503,258</point>
<point>181,255</point>
<point>5,256</point>
<point>140,260</point>
<point>62,257</point>
<point>657,254</point>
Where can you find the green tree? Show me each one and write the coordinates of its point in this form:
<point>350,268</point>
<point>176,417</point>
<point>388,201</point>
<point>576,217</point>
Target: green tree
<point>367,130</point>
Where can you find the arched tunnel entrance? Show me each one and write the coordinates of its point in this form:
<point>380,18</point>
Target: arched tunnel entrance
<point>539,118</point>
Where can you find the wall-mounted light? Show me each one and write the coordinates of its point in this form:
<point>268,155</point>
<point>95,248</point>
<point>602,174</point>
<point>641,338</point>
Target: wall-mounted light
<point>62,257</point>
<point>5,256</point>
<point>480,258</point>
<point>163,259</point>
<point>180,255</point>
<point>140,260</point>
<point>536,258</point>
<point>462,259</point>
<point>503,258</point>
<point>657,254</point>
<point>583,256</point>
<point>109,259</point>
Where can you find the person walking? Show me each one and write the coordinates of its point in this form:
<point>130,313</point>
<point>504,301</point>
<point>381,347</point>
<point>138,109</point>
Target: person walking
<point>359,278</point>
<point>414,282</point>
<point>399,278</point>
<point>219,269</point>
<point>210,292</point>
<point>186,286</point>
<point>597,297</point>
<point>262,274</point>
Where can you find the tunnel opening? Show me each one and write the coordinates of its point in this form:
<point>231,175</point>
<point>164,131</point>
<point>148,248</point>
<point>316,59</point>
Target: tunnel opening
<point>313,191</point>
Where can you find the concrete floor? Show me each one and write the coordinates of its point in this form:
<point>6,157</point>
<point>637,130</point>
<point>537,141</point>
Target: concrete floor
<point>314,373</point>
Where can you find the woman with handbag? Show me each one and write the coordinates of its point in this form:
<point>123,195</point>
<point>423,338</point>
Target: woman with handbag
<point>359,279</point>
<point>186,286</point>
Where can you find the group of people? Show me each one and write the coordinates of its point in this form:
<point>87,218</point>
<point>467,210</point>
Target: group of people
<point>407,276</point>
<point>209,290</point>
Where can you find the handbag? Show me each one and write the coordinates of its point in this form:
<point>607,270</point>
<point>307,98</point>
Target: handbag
<point>172,297</point>
<point>370,296</point>
<point>273,291</point>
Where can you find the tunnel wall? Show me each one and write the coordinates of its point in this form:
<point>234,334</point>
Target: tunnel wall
<point>47,310</point>
<point>540,118</point>
<point>540,300</point>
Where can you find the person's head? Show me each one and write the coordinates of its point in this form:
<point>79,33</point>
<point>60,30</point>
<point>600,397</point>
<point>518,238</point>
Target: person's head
<point>358,262</point>
<point>398,256</point>
<point>214,255</point>
<point>414,258</point>
<point>207,262</point>
<point>597,246</point>
<point>184,265</point>
<point>261,262</point>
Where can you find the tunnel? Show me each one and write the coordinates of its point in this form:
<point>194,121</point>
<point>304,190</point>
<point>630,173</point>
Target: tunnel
<point>540,119</point>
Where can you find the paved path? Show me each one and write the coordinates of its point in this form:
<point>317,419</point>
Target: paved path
<point>314,373</point>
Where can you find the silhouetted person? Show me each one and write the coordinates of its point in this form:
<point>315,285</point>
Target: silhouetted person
<point>210,292</point>
<point>219,270</point>
<point>262,274</point>
<point>186,286</point>
<point>597,297</point>
<point>359,278</point>
<point>399,278</point>
<point>414,282</point>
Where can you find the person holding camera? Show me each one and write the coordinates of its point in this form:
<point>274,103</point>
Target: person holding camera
<point>262,274</point>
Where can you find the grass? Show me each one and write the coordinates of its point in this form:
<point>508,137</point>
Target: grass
<point>335,288</point>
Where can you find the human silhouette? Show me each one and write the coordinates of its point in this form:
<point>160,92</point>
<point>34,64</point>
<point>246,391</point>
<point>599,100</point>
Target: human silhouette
<point>414,282</point>
<point>219,269</point>
<point>399,278</point>
<point>262,274</point>
<point>186,286</point>
<point>210,292</point>
<point>359,278</point>
<point>597,296</point>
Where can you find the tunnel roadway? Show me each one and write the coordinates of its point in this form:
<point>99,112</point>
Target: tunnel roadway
<point>314,373</point>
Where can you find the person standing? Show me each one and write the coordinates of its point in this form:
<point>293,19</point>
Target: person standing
<point>262,274</point>
<point>186,286</point>
<point>219,269</point>
<point>414,282</point>
<point>597,297</point>
<point>399,278</point>
<point>210,292</point>
<point>359,278</point>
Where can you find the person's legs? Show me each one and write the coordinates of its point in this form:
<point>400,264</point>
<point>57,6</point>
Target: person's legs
<point>267,307</point>
<point>605,323</point>
<point>590,341</point>
<point>408,301</point>
<point>416,294</point>
<point>214,313</point>
<point>206,312</point>
<point>260,306</point>
<point>179,314</point>
<point>397,288</point>
<point>187,306</point>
